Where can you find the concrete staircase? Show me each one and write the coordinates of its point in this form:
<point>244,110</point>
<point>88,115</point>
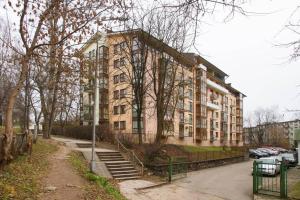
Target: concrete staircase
<point>119,168</point>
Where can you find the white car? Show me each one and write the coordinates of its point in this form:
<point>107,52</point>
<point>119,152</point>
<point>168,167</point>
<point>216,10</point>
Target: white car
<point>268,166</point>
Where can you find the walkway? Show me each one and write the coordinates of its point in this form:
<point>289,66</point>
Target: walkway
<point>62,181</point>
<point>229,182</point>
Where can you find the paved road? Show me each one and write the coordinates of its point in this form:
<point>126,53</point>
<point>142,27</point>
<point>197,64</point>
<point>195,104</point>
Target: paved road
<point>230,182</point>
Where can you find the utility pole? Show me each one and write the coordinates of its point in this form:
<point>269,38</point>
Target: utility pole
<point>96,108</point>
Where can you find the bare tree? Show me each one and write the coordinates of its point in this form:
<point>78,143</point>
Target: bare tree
<point>41,24</point>
<point>261,123</point>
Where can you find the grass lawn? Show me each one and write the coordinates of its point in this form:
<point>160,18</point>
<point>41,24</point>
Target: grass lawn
<point>104,188</point>
<point>195,149</point>
<point>295,193</point>
<point>17,129</point>
<point>19,179</point>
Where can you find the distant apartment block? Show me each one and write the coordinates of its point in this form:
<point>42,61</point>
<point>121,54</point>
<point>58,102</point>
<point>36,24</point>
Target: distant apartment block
<point>209,111</point>
<point>270,132</point>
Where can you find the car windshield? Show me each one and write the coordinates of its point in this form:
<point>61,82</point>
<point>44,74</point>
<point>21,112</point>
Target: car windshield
<point>267,161</point>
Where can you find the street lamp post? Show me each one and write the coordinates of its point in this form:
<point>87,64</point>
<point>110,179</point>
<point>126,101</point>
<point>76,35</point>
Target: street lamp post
<point>96,109</point>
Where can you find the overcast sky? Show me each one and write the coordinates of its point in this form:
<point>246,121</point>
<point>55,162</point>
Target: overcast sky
<point>245,49</point>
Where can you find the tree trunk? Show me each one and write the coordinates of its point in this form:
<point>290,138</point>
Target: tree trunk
<point>8,134</point>
<point>139,121</point>
<point>160,123</point>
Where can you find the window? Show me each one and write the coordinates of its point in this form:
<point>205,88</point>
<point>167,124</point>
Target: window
<point>191,106</point>
<point>116,110</point>
<point>116,125</point>
<point>122,93</point>
<point>181,117</point>
<point>117,63</point>
<point>122,125</point>
<point>116,94</point>
<point>181,91</point>
<point>122,77</point>
<point>122,109</point>
<point>122,62</point>
<point>181,104</point>
<point>119,47</point>
<point>135,124</point>
<point>135,44</point>
<point>190,119</point>
<point>217,134</point>
<point>103,83</point>
<point>116,79</point>
<point>190,81</point>
<point>190,131</point>
<point>217,124</point>
<point>122,46</point>
<point>203,123</point>
<point>217,115</point>
<point>190,94</point>
<point>116,49</point>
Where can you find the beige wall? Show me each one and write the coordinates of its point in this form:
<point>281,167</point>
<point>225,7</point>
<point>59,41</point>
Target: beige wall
<point>150,121</point>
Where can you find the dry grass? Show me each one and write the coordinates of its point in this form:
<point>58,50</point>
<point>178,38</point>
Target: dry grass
<point>100,187</point>
<point>19,179</point>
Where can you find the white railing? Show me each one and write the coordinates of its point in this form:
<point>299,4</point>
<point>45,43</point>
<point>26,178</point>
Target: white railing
<point>216,86</point>
<point>131,155</point>
<point>212,105</point>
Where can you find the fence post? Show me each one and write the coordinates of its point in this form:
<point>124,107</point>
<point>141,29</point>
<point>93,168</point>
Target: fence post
<point>283,180</point>
<point>170,171</point>
<point>255,183</point>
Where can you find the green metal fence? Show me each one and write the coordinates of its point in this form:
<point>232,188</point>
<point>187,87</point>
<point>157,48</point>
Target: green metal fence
<point>177,168</point>
<point>266,178</point>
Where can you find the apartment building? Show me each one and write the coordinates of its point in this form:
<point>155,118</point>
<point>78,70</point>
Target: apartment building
<point>284,132</point>
<point>205,110</point>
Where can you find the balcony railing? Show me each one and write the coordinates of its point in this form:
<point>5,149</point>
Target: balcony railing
<point>181,134</point>
<point>213,105</point>
<point>217,87</point>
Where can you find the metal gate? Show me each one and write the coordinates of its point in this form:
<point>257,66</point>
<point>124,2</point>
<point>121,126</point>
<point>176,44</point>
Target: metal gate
<point>177,168</point>
<point>270,178</point>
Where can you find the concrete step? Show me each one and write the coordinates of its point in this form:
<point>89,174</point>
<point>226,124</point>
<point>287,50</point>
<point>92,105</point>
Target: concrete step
<point>108,152</point>
<point>122,175</point>
<point>114,156</point>
<point>111,154</point>
<point>127,178</point>
<point>117,162</point>
<point>121,168</point>
<point>84,145</point>
<point>120,165</point>
<point>112,159</point>
<point>124,172</point>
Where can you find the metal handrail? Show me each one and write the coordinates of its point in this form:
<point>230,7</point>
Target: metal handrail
<point>133,155</point>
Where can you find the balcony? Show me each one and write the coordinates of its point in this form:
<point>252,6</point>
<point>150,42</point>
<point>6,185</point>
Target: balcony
<point>200,137</point>
<point>217,87</point>
<point>181,121</point>
<point>213,106</point>
<point>188,121</point>
<point>181,134</point>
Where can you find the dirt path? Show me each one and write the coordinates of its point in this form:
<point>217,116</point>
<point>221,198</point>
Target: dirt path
<point>62,182</point>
